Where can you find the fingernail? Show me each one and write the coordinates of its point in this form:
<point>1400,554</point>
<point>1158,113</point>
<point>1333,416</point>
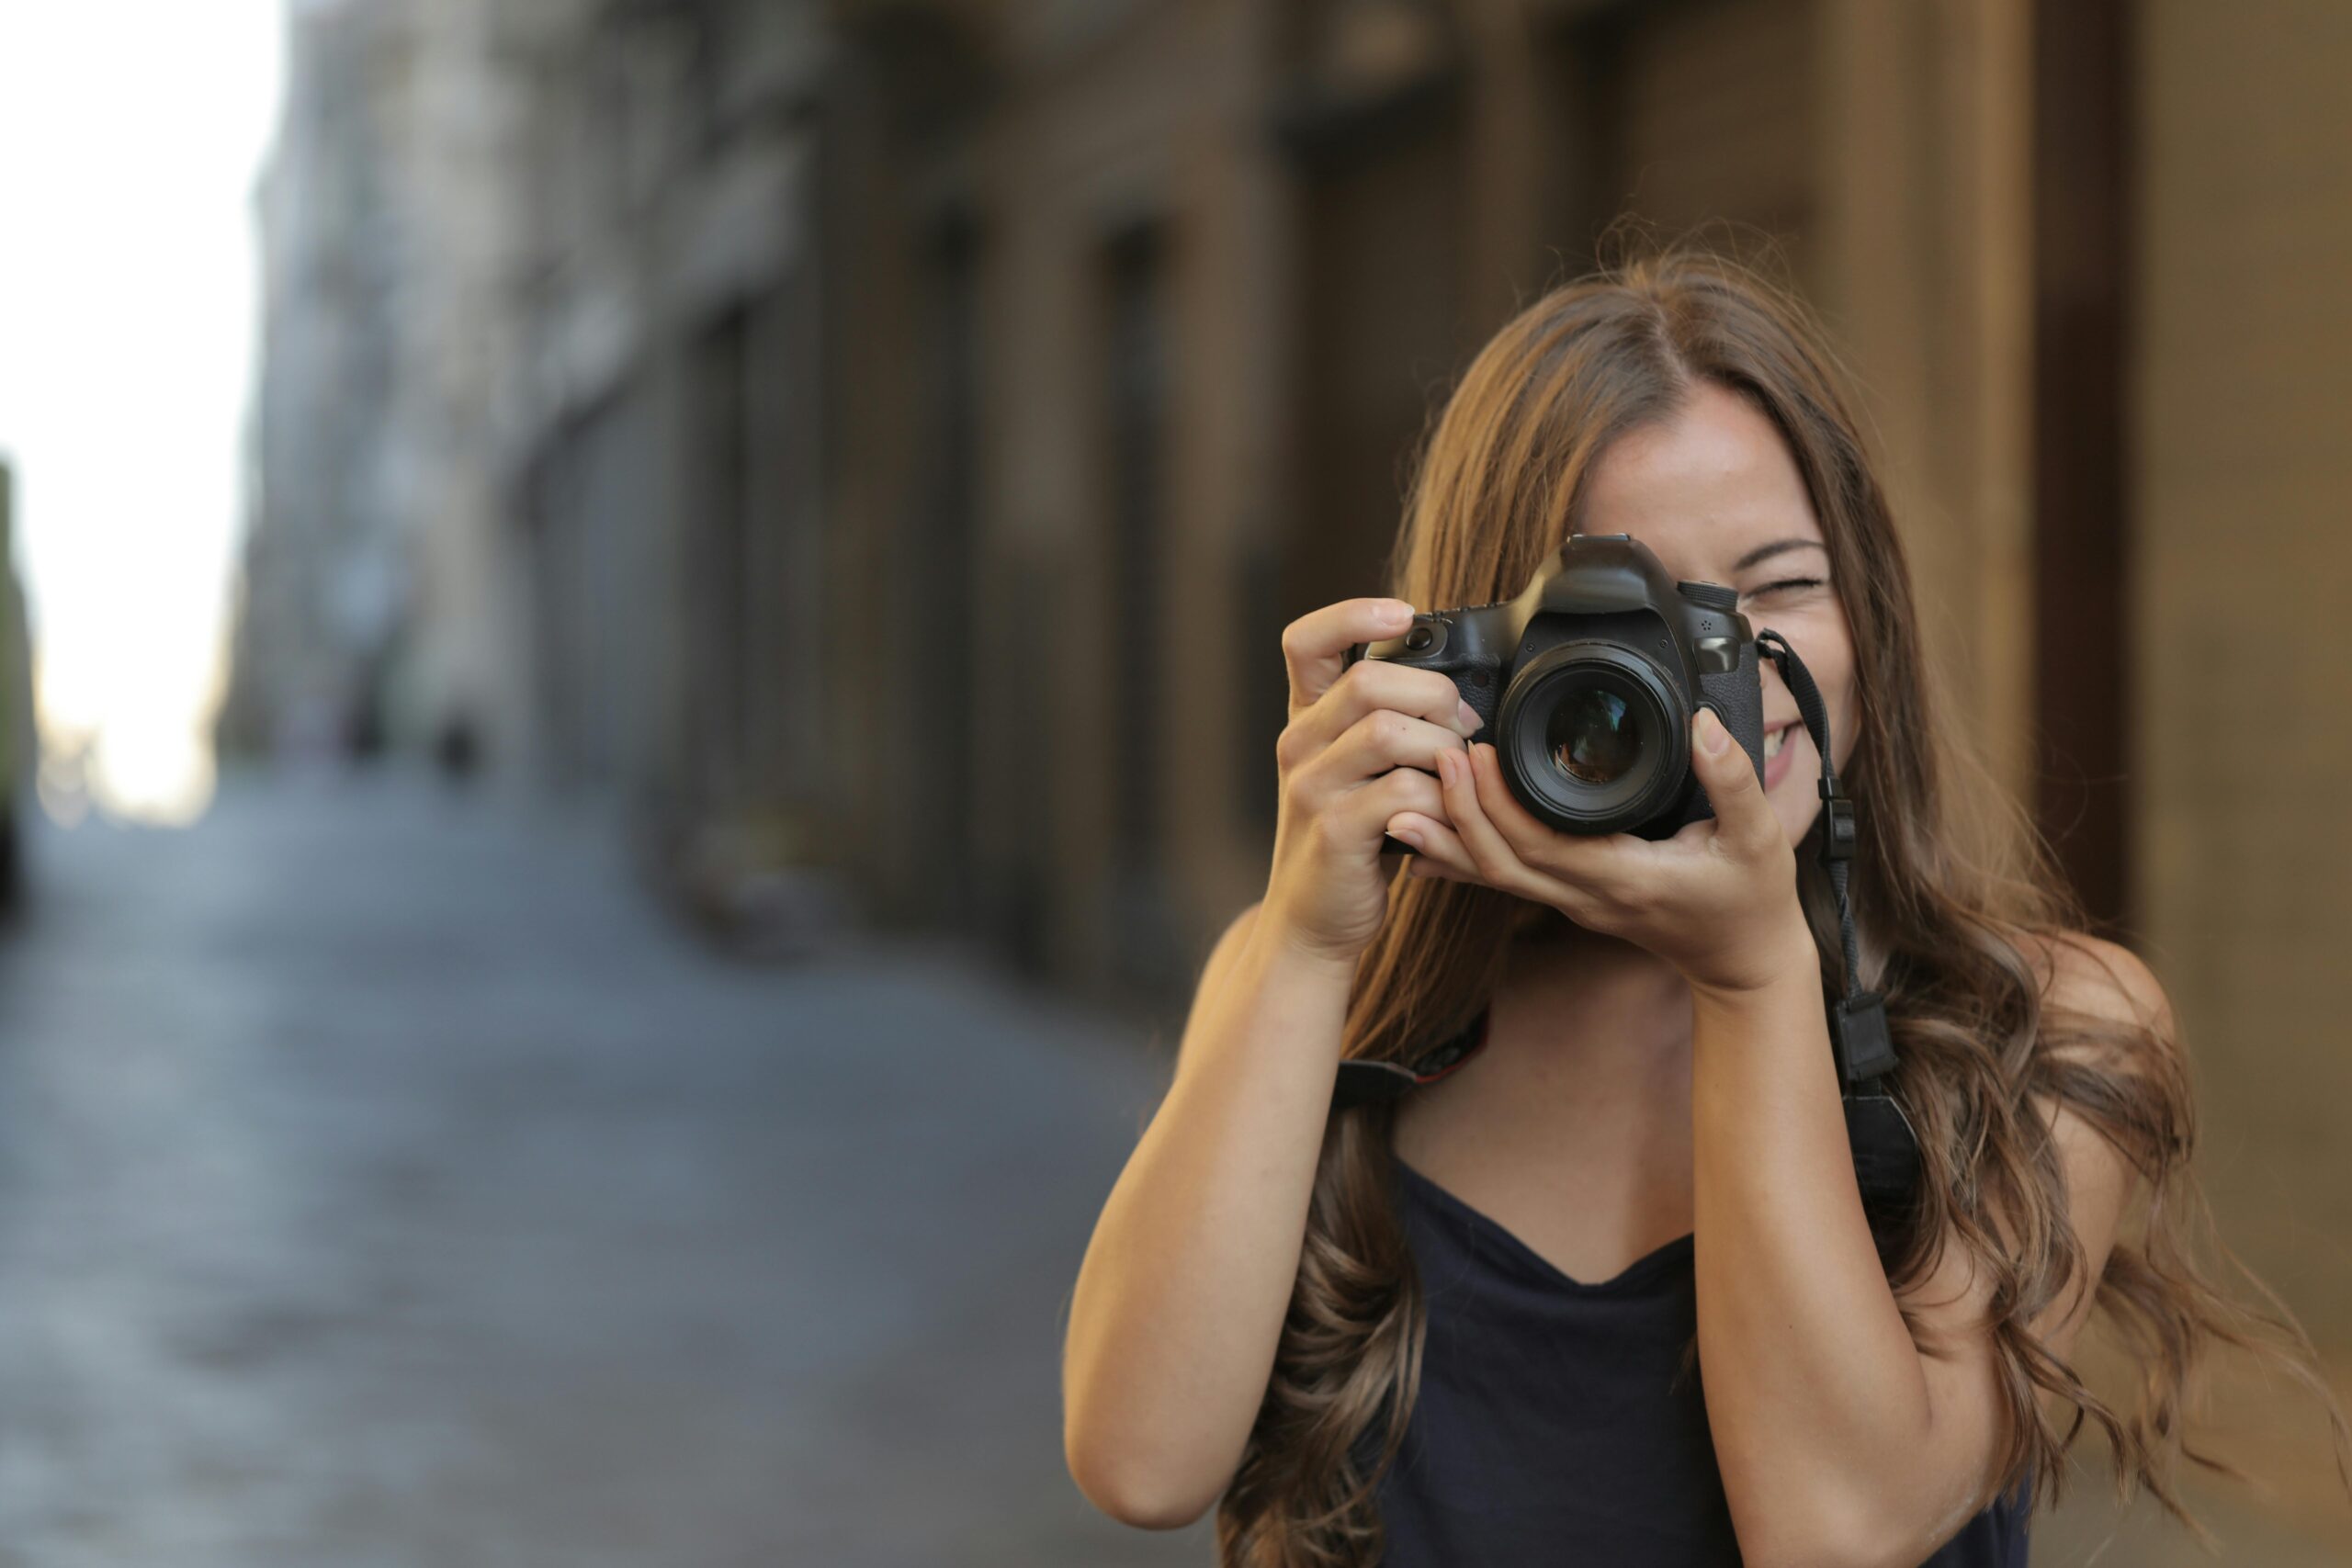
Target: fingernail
<point>1399,611</point>
<point>1711,733</point>
<point>1469,718</point>
<point>1406,835</point>
<point>1445,767</point>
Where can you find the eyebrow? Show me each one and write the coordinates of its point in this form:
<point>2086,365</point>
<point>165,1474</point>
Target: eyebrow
<point>1765,552</point>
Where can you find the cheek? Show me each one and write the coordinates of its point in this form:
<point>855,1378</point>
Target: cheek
<point>1822,640</point>
<point>1835,676</point>
<point>1849,732</point>
<point>1845,707</point>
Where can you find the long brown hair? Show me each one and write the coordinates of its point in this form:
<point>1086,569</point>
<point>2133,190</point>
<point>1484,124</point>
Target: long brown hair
<point>1956,899</point>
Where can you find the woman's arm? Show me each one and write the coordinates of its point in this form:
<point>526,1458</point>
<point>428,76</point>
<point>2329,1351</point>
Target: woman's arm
<point>1840,1442</point>
<point>1180,1303</point>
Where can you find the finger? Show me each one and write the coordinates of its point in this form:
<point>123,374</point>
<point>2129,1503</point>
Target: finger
<point>1434,841</point>
<point>1379,741</point>
<point>1744,821</point>
<point>1315,646</point>
<point>1371,685</point>
<point>1600,860</point>
<point>1493,857</point>
<point>1362,813</point>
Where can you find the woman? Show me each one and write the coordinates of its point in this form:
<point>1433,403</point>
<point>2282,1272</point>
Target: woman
<point>1456,1328</point>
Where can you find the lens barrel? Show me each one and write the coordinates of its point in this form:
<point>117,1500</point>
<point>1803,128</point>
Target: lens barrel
<point>1594,738</point>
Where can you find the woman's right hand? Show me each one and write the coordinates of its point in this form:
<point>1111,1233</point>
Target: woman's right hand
<point>1360,747</point>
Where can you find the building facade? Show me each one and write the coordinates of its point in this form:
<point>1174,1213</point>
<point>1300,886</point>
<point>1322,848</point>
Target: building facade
<point>891,437</point>
<point>1146,305</point>
<point>535,444</point>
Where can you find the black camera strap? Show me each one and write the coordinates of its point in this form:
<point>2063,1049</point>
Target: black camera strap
<point>1885,1148</point>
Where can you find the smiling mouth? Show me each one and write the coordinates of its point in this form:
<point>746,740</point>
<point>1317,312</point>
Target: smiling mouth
<point>1778,738</point>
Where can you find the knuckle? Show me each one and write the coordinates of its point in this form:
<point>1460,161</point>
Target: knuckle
<point>1407,788</point>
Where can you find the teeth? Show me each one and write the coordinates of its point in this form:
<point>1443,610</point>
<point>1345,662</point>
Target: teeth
<point>1772,742</point>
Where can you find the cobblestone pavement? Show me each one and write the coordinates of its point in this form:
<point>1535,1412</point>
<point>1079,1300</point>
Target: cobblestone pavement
<point>383,1180</point>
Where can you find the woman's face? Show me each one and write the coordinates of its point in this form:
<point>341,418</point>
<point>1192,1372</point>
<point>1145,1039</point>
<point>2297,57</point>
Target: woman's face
<point>1715,494</point>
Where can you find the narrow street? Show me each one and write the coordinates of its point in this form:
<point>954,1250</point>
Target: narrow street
<point>384,1181</point>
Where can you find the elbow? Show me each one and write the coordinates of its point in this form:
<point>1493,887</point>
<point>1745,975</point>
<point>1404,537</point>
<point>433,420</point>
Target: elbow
<point>1828,1535</point>
<point>1132,1488</point>
<point>1817,1549</point>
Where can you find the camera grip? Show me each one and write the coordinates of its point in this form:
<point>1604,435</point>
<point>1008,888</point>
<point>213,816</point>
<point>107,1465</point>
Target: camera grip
<point>1737,697</point>
<point>1474,681</point>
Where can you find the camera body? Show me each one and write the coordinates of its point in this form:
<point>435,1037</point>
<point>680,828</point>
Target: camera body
<point>1587,683</point>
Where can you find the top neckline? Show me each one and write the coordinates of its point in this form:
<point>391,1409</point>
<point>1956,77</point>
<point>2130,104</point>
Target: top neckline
<point>1665,1255</point>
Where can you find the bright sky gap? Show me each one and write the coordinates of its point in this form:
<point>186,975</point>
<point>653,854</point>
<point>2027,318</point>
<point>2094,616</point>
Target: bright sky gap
<point>132,136</point>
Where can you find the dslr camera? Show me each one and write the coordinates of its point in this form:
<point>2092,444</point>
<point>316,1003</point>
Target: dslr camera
<point>1587,683</point>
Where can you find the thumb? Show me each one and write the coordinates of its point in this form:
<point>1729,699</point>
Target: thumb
<point>1730,776</point>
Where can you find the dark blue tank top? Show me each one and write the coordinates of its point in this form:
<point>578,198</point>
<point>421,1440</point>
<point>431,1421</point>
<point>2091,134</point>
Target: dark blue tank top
<point>1552,1427</point>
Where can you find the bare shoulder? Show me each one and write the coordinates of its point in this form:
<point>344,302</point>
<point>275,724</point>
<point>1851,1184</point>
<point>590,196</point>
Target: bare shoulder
<point>2084,980</point>
<point>2088,976</point>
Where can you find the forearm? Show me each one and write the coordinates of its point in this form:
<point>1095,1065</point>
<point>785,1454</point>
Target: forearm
<point>1815,1391</point>
<point>1180,1303</point>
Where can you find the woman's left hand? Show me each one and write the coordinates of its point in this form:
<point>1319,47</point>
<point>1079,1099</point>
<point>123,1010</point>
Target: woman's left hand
<point>1718,900</point>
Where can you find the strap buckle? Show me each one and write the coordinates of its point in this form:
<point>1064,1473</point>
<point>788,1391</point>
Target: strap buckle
<point>1362,1082</point>
<point>1859,1035</point>
<point>1838,824</point>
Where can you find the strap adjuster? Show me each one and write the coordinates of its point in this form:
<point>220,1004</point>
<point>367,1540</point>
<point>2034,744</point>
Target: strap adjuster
<point>1362,1082</point>
<point>1838,827</point>
<point>1859,1036</point>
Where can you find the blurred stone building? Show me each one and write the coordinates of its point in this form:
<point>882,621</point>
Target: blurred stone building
<point>892,435</point>
<point>376,593</point>
<point>1144,305</point>
<point>538,434</point>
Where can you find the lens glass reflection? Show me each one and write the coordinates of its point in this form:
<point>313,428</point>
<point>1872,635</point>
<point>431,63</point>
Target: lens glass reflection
<point>1594,736</point>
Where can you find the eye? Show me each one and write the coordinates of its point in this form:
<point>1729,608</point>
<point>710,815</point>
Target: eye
<point>1787,583</point>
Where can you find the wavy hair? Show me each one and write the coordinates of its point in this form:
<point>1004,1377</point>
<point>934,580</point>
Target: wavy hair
<point>1958,902</point>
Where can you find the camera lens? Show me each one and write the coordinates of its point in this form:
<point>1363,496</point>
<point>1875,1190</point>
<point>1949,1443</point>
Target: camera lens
<point>1593,736</point>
